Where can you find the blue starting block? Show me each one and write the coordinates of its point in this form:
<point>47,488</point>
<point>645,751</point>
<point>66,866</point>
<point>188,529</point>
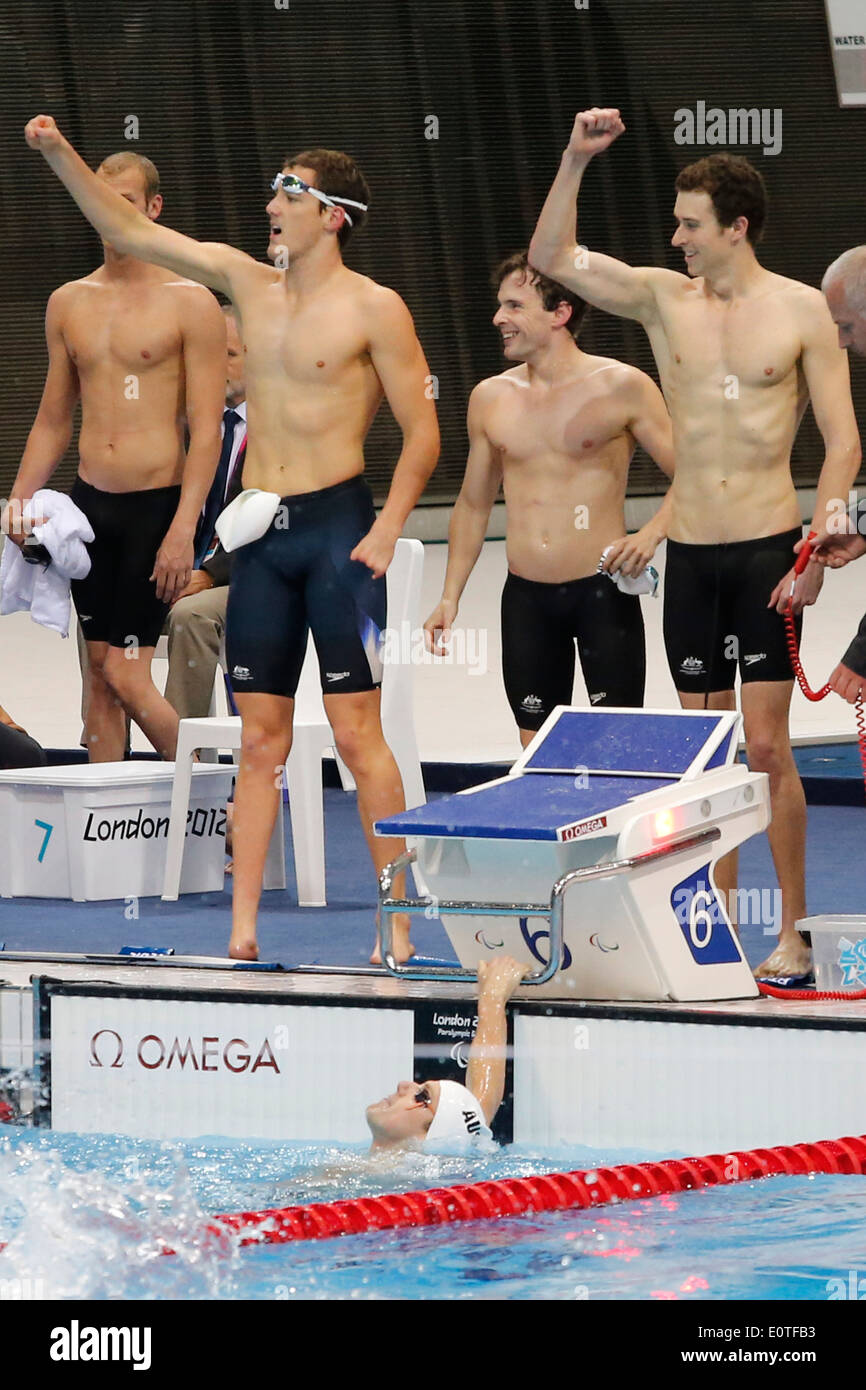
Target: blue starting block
<point>593,859</point>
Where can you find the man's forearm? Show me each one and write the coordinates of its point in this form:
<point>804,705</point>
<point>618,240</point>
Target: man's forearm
<point>44,449</point>
<point>660,522</point>
<point>465,539</point>
<point>198,475</point>
<point>556,230</point>
<point>836,478</point>
<point>485,1072</point>
<point>416,463</point>
<point>113,217</point>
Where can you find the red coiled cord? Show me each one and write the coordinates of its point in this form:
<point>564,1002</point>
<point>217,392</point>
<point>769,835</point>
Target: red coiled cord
<point>797,666</point>
<point>810,994</point>
<point>814,695</point>
<point>552,1192</point>
<point>794,653</point>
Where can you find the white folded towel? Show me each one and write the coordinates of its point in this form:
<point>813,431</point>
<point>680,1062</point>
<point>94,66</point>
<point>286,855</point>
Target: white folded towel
<point>44,589</point>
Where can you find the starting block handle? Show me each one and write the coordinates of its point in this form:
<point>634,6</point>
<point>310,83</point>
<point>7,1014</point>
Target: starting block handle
<point>554,910</point>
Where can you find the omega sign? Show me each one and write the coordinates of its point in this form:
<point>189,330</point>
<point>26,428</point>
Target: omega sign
<point>155,1053</point>
<point>582,827</point>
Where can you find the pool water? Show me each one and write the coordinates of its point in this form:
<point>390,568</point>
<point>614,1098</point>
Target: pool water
<point>85,1217</point>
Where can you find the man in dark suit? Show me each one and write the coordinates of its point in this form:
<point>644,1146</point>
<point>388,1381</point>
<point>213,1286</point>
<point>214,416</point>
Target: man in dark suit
<point>196,621</point>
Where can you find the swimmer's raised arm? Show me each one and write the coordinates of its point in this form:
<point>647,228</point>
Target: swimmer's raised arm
<point>51,432</point>
<point>601,280</point>
<point>468,525</point>
<point>485,1074</point>
<point>128,230</point>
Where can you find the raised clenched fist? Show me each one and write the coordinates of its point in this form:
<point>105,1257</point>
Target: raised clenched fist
<point>42,134</point>
<point>595,130</point>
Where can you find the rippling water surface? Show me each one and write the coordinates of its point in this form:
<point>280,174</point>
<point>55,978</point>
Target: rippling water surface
<point>89,1216</point>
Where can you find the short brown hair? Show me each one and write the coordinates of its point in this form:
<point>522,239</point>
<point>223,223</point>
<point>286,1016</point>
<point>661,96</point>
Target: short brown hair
<point>736,189</point>
<point>128,159</point>
<point>338,175</point>
<point>551,292</point>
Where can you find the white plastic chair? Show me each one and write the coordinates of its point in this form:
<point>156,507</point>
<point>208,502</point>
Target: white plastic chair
<point>312,737</point>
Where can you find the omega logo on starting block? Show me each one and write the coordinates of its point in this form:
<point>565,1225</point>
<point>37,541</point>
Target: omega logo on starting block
<point>581,827</point>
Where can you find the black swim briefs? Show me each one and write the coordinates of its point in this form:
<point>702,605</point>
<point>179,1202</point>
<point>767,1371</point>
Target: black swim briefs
<point>540,623</point>
<point>116,602</point>
<point>716,616</point>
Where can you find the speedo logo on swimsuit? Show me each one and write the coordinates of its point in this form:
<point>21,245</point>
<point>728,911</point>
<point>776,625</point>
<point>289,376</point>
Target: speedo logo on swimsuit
<point>531,702</point>
<point>241,673</point>
<point>692,665</point>
<point>594,699</point>
<point>752,657</point>
<point>337,675</point>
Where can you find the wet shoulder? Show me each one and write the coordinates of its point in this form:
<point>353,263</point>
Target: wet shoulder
<point>73,297</point>
<point>610,376</point>
<point>500,387</point>
<point>371,297</point>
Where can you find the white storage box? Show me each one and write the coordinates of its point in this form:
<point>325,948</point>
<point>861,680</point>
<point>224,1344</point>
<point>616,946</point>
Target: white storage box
<point>838,950</point>
<point>91,831</point>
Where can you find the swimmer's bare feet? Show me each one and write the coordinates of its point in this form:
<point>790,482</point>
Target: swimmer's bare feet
<point>403,948</point>
<point>791,957</point>
<point>243,946</point>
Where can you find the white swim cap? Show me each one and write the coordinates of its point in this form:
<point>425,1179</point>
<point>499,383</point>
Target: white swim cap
<point>459,1122</point>
<point>246,518</point>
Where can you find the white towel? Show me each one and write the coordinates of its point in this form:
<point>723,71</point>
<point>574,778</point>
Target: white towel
<point>44,589</point>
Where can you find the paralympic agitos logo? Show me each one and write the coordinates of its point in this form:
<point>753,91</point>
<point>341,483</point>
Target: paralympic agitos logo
<point>155,1053</point>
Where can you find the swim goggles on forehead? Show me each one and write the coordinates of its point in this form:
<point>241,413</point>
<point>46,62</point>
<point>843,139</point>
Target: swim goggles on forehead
<point>290,183</point>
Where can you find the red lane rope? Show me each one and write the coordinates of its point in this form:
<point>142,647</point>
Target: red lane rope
<point>550,1192</point>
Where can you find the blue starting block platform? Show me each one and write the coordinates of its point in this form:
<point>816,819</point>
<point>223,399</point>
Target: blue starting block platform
<point>592,860</point>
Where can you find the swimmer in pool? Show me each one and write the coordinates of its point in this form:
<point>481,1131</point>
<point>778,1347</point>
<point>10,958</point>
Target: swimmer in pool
<point>446,1116</point>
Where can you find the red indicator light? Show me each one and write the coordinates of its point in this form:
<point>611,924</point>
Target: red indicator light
<point>663,824</point>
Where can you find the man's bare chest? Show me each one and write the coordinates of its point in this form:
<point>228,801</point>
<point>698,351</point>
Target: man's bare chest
<point>524,428</point>
<point>132,334</point>
<point>746,344</point>
<point>308,348</point>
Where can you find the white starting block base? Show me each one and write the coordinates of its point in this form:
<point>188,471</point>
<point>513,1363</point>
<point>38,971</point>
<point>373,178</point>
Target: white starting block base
<point>657,795</point>
<point>92,831</point>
